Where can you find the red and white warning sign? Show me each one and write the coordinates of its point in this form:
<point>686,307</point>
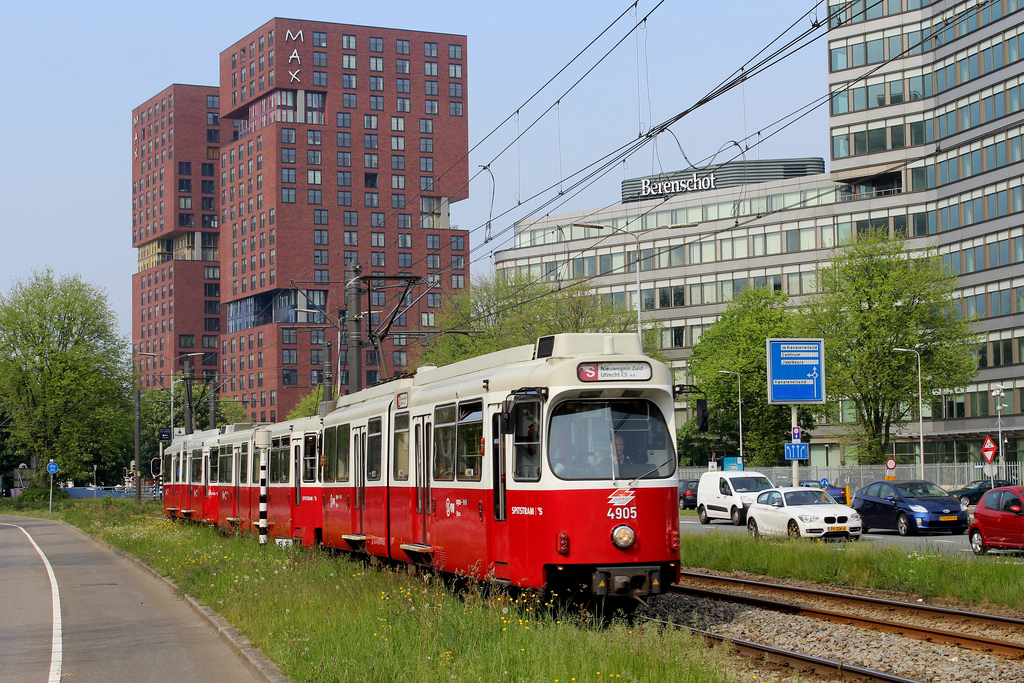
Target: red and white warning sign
<point>989,449</point>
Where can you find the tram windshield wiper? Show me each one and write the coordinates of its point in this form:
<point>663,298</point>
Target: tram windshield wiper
<point>649,472</point>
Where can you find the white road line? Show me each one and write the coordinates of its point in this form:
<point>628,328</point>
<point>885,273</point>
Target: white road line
<point>57,641</point>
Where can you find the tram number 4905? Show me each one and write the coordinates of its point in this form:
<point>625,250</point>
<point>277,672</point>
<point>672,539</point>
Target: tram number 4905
<point>622,513</point>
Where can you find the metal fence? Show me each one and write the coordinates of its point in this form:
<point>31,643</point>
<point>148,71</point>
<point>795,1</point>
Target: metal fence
<point>947,475</point>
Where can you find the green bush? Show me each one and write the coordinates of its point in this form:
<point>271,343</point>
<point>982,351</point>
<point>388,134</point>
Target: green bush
<point>37,497</point>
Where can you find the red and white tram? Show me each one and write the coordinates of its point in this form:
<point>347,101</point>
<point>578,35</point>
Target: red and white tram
<point>550,465</point>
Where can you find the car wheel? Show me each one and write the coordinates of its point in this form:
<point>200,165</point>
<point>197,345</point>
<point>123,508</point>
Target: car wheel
<point>903,525</point>
<point>793,529</point>
<point>702,515</point>
<point>682,505</point>
<point>978,543</point>
<point>965,501</point>
<point>752,527</point>
<point>737,516</point>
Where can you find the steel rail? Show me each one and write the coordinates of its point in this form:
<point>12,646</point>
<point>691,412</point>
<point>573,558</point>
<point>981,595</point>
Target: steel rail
<point>788,660</point>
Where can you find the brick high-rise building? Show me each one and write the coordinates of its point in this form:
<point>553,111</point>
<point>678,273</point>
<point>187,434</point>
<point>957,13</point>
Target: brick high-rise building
<point>176,288</point>
<point>338,145</point>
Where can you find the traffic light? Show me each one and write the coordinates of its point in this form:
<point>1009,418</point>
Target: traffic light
<point>702,415</point>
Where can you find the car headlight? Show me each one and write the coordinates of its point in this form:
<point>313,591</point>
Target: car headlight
<point>807,519</point>
<point>854,517</point>
<point>918,508</point>
<point>623,536</point>
<point>747,499</point>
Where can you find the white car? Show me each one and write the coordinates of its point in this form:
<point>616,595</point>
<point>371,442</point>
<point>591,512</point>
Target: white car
<point>801,511</point>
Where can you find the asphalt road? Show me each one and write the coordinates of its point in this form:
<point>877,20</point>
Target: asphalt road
<point>114,620</point>
<point>943,542</point>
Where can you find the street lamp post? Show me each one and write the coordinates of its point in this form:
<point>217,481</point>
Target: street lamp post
<point>998,393</point>
<point>739,393</point>
<point>920,402</point>
<point>636,236</point>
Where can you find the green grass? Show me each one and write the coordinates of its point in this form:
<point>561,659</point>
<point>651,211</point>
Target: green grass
<point>985,581</point>
<point>324,617</point>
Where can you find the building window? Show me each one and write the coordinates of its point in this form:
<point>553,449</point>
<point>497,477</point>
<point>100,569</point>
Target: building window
<point>455,109</point>
<point>321,256</point>
<point>344,198</point>
<point>314,197</point>
<point>430,49</point>
<point>427,319</point>
<point>377,83</point>
<point>287,195</point>
<point>376,63</point>
<point>430,88</point>
<point>351,219</point>
<point>454,90</point>
<point>321,237</point>
<point>430,107</point>
<point>404,259</point>
<point>319,58</point>
<point>313,156</point>
<point>319,39</point>
<point>454,52</point>
<point>377,102</point>
<point>349,100</point>
<point>320,217</point>
<point>313,176</point>
<point>348,42</point>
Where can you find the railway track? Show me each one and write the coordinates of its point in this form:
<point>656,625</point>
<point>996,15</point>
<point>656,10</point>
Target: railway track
<point>891,609</point>
<point>789,630</point>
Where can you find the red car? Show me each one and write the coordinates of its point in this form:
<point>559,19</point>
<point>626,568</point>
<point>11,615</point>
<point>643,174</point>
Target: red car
<point>998,521</point>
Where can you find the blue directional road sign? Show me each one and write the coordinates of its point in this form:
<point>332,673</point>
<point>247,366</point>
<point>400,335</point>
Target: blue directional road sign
<point>52,467</point>
<point>797,451</point>
<point>796,371</point>
<point>824,482</point>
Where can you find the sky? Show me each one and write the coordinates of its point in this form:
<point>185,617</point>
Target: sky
<point>73,72</point>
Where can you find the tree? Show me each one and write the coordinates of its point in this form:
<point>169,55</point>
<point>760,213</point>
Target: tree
<point>155,413</point>
<point>736,343</point>
<point>872,298</point>
<point>64,374</point>
<point>309,404</point>
<point>502,311</point>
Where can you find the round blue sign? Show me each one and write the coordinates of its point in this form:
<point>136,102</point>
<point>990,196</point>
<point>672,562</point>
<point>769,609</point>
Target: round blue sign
<point>824,482</point>
<point>52,468</point>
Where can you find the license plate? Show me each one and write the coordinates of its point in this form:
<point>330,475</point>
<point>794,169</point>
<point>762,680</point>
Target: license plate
<point>836,528</point>
<point>948,518</point>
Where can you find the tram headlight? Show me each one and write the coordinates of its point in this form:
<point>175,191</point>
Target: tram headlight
<point>623,536</point>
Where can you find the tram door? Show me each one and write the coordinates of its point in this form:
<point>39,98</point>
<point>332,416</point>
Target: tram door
<point>499,529</point>
<point>358,478</point>
<point>421,449</point>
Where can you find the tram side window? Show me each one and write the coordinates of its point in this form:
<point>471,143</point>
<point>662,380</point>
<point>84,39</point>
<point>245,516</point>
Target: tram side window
<point>527,440</point>
<point>224,466</point>
<point>344,449</point>
<point>310,457</point>
<point>444,442</point>
<point>256,474</point>
<point>401,457</point>
<point>243,464</point>
<point>470,433</point>
<point>166,468</point>
<point>330,447</point>
<point>373,449</point>
<point>196,467</point>
<point>214,465</point>
<point>278,464</point>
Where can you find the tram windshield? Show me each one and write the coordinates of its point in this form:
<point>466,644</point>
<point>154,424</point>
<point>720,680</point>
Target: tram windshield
<point>618,439</point>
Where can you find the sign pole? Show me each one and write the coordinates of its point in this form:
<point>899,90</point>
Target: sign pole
<point>794,429</point>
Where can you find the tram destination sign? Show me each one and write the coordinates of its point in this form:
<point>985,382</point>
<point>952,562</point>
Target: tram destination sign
<point>613,372</point>
<point>796,371</point>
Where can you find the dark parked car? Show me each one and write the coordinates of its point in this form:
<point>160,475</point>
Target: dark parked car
<point>971,494</point>
<point>909,507</point>
<point>688,494</point>
<point>839,494</point>
<point>999,520</point>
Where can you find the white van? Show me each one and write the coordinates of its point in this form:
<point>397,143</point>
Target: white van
<point>727,495</point>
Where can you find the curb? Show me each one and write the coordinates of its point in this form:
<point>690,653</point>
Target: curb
<point>251,656</point>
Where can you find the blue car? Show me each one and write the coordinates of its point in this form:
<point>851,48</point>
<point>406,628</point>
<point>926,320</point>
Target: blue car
<point>909,507</point>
